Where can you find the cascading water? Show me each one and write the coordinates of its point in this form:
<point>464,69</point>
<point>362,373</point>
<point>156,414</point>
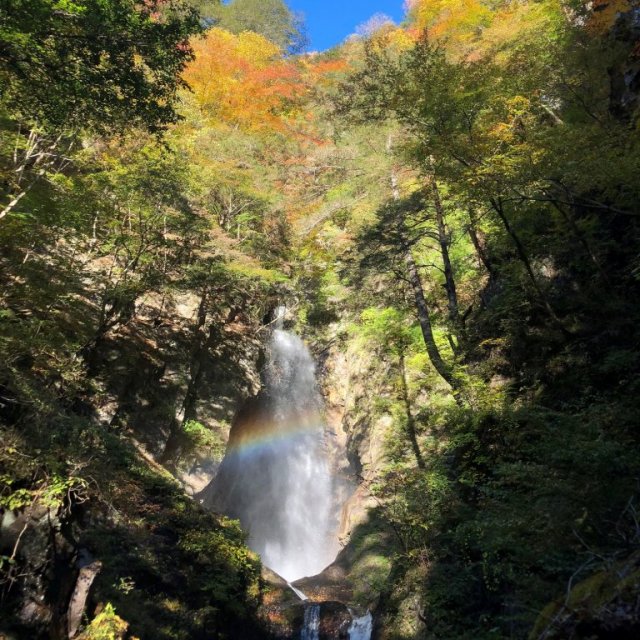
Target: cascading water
<point>361,628</point>
<point>311,628</point>
<point>276,476</point>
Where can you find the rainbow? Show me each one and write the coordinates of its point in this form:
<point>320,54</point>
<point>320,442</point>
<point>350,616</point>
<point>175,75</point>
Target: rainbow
<point>256,436</point>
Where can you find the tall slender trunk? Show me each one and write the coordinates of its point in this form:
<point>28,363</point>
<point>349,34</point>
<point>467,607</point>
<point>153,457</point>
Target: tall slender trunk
<point>445,242</point>
<point>411,423</point>
<point>188,411</point>
<point>443,369</point>
<point>175,441</point>
<point>444,239</point>
<point>478,242</point>
<point>524,258</point>
<point>425,322</point>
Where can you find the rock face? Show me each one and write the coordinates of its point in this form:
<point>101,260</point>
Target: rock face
<point>352,382</point>
<point>171,364</point>
<point>282,610</point>
<point>330,620</point>
<point>285,613</point>
<point>52,591</point>
<point>335,619</point>
<point>625,77</point>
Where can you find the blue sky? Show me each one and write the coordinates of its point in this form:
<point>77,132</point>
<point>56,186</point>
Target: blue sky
<point>329,22</point>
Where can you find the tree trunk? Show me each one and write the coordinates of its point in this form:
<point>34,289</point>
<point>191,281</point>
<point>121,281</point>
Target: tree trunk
<point>524,258</point>
<point>477,240</point>
<point>445,243</point>
<point>13,203</point>
<point>422,309</point>
<point>450,283</point>
<point>175,441</point>
<point>78,602</point>
<point>411,424</point>
<point>425,322</point>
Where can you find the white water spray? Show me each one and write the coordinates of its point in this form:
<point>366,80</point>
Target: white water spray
<point>361,628</point>
<point>276,477</point>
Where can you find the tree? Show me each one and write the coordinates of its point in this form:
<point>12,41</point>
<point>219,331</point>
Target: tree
<point>374,24</point>
<point>88,67</point>
<point>242,80</point>
<point>389,328</point>
<point>388,245</point>
<point>270,18</point>
<point>92,64</point>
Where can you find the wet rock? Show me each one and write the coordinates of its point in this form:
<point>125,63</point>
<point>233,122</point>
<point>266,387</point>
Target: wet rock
<point>282,610</point>
<point>40,593</point>
<point>286,621</point>
<point>332,584</point>
<point>335,620</point>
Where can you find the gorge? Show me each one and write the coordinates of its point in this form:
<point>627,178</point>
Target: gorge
<point>319,345</point>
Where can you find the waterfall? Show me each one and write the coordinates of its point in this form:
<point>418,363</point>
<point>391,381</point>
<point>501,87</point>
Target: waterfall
<point>361,628</point>
<point>275,477</point>
<point>299,593</point>
<point>311,627</point>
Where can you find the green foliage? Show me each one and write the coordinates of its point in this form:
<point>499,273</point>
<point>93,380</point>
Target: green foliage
<point>270,18</point>
<point>16,499</point>
<point>519,123</point>
<point>199,438</point>
<point>106,626</point>
<point>388,327</point>
<point>90,64</point>
<point>53,493</point>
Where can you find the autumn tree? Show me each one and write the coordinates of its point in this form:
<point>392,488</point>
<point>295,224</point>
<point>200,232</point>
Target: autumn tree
<point>243,80</point>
